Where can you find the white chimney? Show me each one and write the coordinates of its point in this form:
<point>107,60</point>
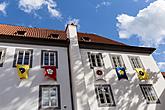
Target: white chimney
<point>80,100</point>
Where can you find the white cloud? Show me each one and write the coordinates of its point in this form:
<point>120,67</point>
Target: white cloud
<point>161,65</point>
<point>74,21</point>
<point>103,4</point>
<point>148,24</point>
<point>30,6</point>
<point>3,7</point>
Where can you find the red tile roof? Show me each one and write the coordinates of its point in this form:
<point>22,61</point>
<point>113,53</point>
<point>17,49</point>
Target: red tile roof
<point>30,32</point>
<point>45,33</point>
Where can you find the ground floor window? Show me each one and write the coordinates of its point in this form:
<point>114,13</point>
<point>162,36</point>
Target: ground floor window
<point>149,93</point>
<point>104,95</point>
<point>49,97</point>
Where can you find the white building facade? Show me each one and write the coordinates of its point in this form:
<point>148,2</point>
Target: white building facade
<point>86,77</point>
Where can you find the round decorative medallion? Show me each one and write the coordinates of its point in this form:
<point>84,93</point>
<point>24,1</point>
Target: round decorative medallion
<point>50,71</point>
<point>99,72</point>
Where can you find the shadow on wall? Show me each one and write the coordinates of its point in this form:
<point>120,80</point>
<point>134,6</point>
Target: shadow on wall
<point>127,93</point>
<point>162,105</point>
<point>15,93</point>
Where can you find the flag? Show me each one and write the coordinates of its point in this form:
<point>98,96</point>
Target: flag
<point>142,74</point>
<point>23,71</point>
<point>121,73</point>
<point>50,71</point>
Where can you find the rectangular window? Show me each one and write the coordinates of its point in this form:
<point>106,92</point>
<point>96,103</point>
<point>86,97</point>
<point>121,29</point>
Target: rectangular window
<point>48,58</point>
<point>2,56</point>
<point>49,97</point>
<point>117,61</point>
<point>95,59</point>
<point>135,62</point>
<point>23,57</point>
<point>104,95</point>
<point>149,93</point>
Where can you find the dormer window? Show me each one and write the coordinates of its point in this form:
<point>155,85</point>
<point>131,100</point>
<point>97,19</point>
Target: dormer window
<point>54,36</point>
<point>85,39</point>
<point>21,33</point>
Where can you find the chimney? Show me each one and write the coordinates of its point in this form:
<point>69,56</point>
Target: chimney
<point>80,100</point>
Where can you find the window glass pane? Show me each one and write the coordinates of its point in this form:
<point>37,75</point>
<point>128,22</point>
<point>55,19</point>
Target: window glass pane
<point>0,55</point>
<point>93,59</point>
<point>53,102</point>
<point>20,57</point>
<point>119,62</point>
<point>53,92</point>
<point>114,61</point>
<point>133,63</point>
<point>52,58</point>
<point>26,58</point>
<point>138,63</point>
<point>45,102</point>
<point>108,98</point>
<point>98,57</point>
<point>46,58</point>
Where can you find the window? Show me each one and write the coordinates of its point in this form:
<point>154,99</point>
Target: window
<point>48,58</point>
<point>85,39</point>
<point>135,62</point>
<point>95,59</point>
<point>117,61</point>
<point>20,33</point>
<point>2,56</point>
<point>23,57</point>
<point>149,93</point>
<point>104,95</point>
<point>49,97</point>
<point>54,36</point>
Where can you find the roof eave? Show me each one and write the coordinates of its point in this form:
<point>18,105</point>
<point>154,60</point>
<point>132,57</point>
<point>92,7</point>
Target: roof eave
<point>113,47</point>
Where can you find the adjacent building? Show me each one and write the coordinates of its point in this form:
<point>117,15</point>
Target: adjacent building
<point>92,72</point>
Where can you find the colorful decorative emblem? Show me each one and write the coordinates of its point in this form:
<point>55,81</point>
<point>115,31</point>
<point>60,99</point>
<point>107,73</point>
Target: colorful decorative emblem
<point>50,71</point>
<point>142,74</point>
<point>23,71</point>
<point>121,73</point>
<point>99,72</point>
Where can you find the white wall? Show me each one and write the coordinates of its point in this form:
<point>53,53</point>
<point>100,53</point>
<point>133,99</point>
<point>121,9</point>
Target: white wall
<point>127,93</point>
<point>17,94</point>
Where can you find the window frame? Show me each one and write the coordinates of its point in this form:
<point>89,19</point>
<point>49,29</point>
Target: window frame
<point>21,33</point>
<point>40,97</point>
<point>146,95</point>
<point>2,56</point>
<point>55,58</point>
<point>110,93</point>
<point>16,56</point>
<point>121,61</point>
<point>96,61</point>
<point>138,62</point>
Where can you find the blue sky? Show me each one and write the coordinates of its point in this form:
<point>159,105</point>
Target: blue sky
<point>134,22</point>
